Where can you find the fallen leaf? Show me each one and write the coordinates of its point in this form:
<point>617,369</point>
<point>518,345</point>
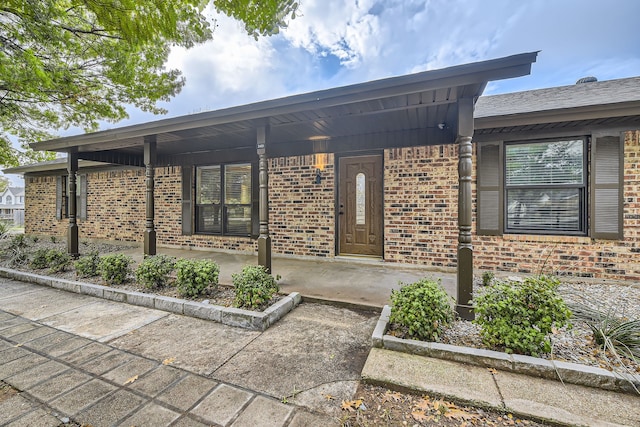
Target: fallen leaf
<point>459,414</point>
<point>421,416</point>
<point>130,380</point>
<point>168,361</point>
<point>424,403</point>
<point>397,397</point>
<point>329,397</point>
<point>18,345</point>
<point>492,371</point>
<point>352,405</point>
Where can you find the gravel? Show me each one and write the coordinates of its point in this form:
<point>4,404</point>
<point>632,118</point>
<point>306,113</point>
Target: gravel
<point>574,344</point>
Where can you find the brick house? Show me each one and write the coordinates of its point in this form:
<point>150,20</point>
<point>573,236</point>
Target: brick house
<point>385,169</point>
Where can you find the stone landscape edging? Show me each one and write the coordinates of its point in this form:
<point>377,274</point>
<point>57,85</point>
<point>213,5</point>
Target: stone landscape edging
<point>231,316</point>
<point>573,373</point>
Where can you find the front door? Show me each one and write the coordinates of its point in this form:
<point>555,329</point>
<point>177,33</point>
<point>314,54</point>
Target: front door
<point>360,205</point>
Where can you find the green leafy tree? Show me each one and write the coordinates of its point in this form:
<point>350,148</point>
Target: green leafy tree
<point>75,62</point>
<point>4,183</point>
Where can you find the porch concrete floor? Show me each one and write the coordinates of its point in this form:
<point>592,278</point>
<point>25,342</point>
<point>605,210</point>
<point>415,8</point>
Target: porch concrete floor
<point>359,281</point>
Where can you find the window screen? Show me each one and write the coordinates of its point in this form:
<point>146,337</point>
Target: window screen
<point>545,187</point>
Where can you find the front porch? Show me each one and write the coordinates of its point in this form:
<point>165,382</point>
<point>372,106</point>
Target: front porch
<point>347,281</point>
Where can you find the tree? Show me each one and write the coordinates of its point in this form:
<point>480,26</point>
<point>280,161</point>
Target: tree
<point>4,183</point>
<point>74,62</point>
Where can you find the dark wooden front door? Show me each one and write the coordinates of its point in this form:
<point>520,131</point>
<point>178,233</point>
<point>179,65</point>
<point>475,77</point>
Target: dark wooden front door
<point>360,205</point>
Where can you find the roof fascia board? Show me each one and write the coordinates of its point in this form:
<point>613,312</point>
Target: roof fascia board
<point>479,72</point>
<point>561,115</point>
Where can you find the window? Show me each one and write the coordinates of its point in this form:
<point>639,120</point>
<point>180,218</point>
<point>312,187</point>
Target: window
<point>62,197</point>
<point>224,195</point>
<point>564,186</point>
<point>9,200</point>
<point>545,187</point>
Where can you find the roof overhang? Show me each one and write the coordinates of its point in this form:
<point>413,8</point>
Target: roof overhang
<point>419,107</point>
<point>566,110</point>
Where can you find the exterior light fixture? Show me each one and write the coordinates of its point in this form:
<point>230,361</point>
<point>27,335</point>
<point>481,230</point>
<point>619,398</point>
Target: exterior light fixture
<point>318,178</point>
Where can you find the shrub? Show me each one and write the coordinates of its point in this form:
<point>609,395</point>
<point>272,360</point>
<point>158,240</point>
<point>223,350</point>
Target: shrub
<point>153,271</point>
<point>114,268</point>
<point>58,260</point>
<point>254,286</point>
<point>39,259</point>
<point>423,307</point>
<point>519,316</point>
<point>195,275</point>
<point>487,278</point>
<point>87,266</point>
<point>17,250</point>
<point>4,228</point>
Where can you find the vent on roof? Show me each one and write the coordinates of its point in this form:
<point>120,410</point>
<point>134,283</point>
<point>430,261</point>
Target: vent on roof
<point>587,80</point>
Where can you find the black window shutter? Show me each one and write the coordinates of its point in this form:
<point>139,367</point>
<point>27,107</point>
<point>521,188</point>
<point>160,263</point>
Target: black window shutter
<point>490,193</point>
<point>59,197</point>
<point>82,194</point>
<point>187,212</point>
<point>607,154</point>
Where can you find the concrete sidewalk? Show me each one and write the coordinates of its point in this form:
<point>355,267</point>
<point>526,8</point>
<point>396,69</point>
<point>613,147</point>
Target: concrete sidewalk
<point>105,363</point>
<point>522,395</point>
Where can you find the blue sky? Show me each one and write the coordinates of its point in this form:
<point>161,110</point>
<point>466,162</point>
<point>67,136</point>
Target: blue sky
<point>341,42</point>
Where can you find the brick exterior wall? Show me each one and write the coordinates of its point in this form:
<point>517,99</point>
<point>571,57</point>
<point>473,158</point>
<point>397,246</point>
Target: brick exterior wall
<point>421,205</point>
<point>421,214</point>
<point>301,212</point>
<point>420,218</point>
<point>40,207</point>
<point>575,256</point>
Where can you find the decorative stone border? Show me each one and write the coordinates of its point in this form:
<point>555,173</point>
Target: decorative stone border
<point>573,373</point>
<point>246,319</point>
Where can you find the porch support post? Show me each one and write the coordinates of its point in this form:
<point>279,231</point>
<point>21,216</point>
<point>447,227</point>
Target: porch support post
<point>72,231</point>
<point>264,240</point>
<point>150,229</point>
<point>465,248</point>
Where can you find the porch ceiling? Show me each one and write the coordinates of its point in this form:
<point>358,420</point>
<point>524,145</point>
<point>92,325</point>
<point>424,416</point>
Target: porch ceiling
<point>424,104</point>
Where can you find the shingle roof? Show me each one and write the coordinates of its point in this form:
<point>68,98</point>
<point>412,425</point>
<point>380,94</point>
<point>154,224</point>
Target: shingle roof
<point>557,98</point>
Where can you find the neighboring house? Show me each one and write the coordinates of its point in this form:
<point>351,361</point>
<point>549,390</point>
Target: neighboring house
<point>12,205</point>
<point>385,169</point>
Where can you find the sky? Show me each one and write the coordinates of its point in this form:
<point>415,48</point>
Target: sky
<point>340,42</point>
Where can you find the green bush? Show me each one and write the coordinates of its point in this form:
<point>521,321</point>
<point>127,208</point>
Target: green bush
<point>193,276</point>
<point>487,278</point>
<point>423,307</point>
<point>519,316</point>
<point>39,260</point>
<point>153,271</point>
<point>114,268</point>
<point>254,286</point>
<point>17,250</point>
<point>87,266</point>
<point>58,260</point>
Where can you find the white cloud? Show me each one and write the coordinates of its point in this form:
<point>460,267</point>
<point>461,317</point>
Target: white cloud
<point>339,42</point>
